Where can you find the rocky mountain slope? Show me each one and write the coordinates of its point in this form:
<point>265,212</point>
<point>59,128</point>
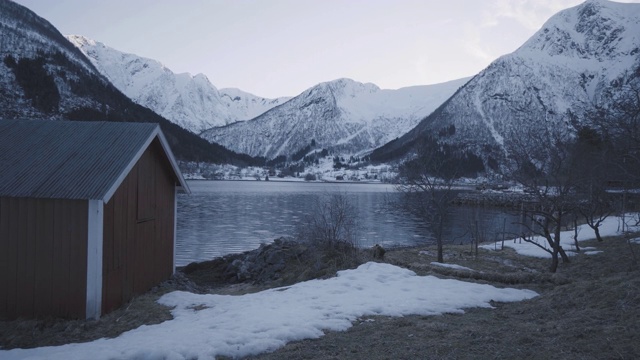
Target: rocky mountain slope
<point>189,101</point>
<point>576,63</point>
<point>26,35</point>
<point>43,76</point>
<point>342,115</point>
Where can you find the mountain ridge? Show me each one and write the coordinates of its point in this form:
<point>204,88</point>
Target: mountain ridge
<point>43,76</point>
<point>342,115</point>
<point>554,82</point>
<point>190,101</point>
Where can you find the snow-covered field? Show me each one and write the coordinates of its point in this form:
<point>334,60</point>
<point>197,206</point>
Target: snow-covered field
<point>208,325</point>
<point>611,226</point>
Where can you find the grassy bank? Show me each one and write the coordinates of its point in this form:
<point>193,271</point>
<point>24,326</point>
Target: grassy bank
<point>588,310</point>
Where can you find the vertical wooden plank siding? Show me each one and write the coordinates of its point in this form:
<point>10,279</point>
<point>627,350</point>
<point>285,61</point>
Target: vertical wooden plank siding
<point>165,213</point>
<point>43,257</point>
<point>4,257</point>
<point>7,272</point>
<point>12,251</point>
<point>62,260</point>
<point>78,221</point>
<point>139,228</point>
<point>166,195</point>
<point>28,261</point>
<point>129,242</point>
<point>39,241</point>
<point>24,289</point>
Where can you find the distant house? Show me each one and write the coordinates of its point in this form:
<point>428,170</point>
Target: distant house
<point>87,215</point>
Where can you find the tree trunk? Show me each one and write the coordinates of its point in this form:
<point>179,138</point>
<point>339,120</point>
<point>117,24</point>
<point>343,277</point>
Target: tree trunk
<point>439,239</point>
<point>556,243</point>
<point>563,254</point>
<point>596,229</point>
<point>554,261</point>
<point>575,233</point>
<point>555,246</point>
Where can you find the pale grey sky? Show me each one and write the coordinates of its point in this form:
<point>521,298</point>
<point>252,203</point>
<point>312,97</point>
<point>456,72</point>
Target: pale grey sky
<point>282,47</point>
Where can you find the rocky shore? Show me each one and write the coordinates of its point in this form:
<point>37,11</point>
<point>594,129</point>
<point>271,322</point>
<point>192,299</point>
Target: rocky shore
<point>280,263</point>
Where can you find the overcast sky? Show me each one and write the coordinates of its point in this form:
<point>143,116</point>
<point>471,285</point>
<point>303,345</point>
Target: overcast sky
<point>282,47</point>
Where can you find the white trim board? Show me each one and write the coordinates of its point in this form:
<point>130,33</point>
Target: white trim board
<point>94,259</point>
<point>157,132</point>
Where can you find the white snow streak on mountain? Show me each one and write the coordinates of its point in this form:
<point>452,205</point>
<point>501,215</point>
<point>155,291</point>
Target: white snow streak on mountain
<point>189,101</point>
<point>343,114</point>
<point>575,63</point>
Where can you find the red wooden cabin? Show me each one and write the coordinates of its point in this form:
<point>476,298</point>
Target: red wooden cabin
<point>87,215</point>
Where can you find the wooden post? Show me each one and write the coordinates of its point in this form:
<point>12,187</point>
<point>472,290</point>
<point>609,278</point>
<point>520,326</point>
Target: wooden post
<point>477,236</point>
<point>504,229</point>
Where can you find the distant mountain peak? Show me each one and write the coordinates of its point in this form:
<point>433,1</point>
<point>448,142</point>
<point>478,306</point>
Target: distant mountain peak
<point>349,86</point>
<point>554,81</point>
<point>190,101</point>
<point>592,30</point>
<point>78,40</point>
<point>44,76</point>
<point>343,115</point>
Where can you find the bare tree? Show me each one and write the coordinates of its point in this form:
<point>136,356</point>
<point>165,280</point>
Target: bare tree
<point>426,187</point>
<point>620,125</point>
<point>589,163</point>
<point>618,167</point>
<point>332,229</point>
<point>543,166</point>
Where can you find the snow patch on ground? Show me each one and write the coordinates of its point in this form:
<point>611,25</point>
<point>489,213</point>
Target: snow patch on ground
<point>610,227</point>
<point>205,326</point>
<point>592,252</point>
<point>451,266</point>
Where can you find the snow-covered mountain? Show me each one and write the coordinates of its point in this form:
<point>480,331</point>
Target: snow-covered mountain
<point>23,34</point>
<point>343,115</point>
<point>43,76</point>
<point>574,64</point>
<point>189,101</point>
<point>246,106</point>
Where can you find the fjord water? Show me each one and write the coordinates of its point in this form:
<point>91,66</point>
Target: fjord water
<point>223,217</point>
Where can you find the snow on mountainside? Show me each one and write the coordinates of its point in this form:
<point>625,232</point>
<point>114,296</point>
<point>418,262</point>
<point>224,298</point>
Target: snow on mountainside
<point>43,76</point>
<point>573,64</point>
<point>189,101</point>
<point>23,34</point>
<point>245,106</point>
<point>343,115</point>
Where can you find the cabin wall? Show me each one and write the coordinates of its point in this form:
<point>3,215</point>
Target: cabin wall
<point>43,257</point>
<point>139,230</point>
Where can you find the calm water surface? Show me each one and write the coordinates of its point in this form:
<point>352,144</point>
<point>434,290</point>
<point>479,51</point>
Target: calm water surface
<point>223,217</point>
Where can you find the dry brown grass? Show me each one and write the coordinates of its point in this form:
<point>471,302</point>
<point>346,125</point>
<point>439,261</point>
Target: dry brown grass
<point>590,309</point>
<point>142,310</point>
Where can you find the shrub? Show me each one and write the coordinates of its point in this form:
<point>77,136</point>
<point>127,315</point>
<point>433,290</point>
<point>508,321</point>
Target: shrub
<point>332,231</point>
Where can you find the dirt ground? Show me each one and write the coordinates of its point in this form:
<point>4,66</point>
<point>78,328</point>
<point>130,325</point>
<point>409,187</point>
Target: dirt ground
<point>589,309</point>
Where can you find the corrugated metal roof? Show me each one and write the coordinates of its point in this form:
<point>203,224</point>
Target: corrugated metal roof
<point>68,159</point>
